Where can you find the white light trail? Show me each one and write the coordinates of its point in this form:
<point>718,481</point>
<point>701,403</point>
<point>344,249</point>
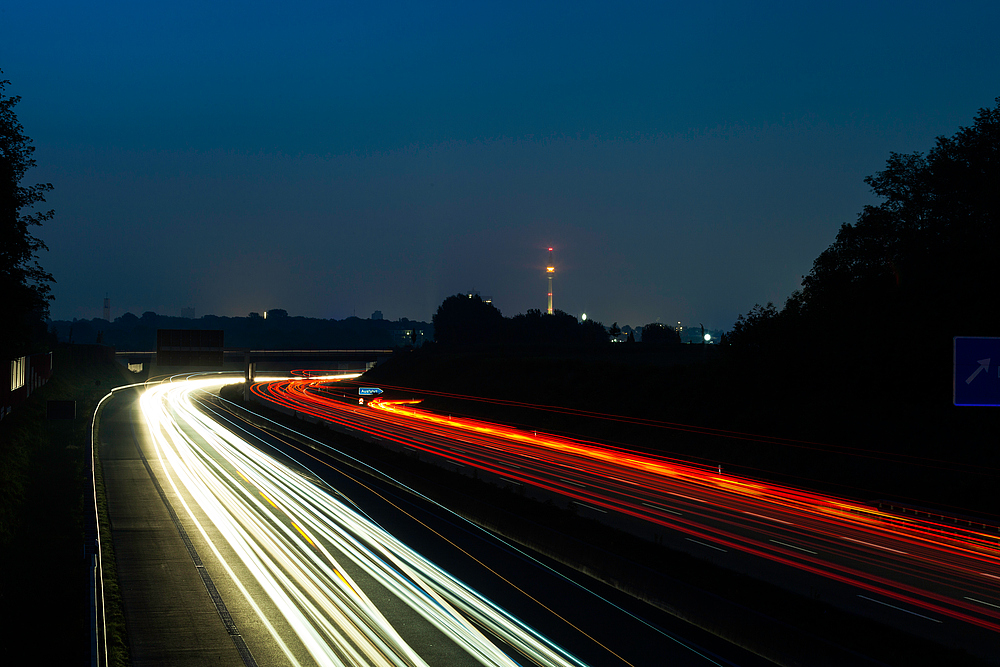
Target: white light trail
<point>291,537</point>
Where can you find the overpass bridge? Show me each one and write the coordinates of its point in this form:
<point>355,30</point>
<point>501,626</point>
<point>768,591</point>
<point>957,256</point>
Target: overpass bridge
<point>254,361</point>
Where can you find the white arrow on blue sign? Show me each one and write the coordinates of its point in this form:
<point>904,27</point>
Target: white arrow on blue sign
<point>977,371</point>
<point>369,391</point>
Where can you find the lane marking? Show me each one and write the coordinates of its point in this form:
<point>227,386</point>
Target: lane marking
<point>569,481</point>
<point>662,509</point>
<point>877,546</point>
<point>710,546</point>
<point>769,518</point>
<point>990,604</point>
<point>992,576</point>
<point>865,597</point>
<point>266,498</point>
<point>792,546</point>
<point>303,534</point>
<point>596,509</point>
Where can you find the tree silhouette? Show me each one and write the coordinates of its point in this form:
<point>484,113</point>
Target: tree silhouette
<point>560,329</point>
<point>467,321</point>
<point>656,333</point>
<point>23,283</point>
<point>925,255</point>
<point>755,331</point>
<point>928,251</point>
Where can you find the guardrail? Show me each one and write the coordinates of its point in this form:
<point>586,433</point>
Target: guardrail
<point>92,548</point>
<point>948,520</point>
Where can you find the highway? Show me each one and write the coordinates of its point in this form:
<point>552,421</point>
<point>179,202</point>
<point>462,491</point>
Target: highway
<point>305,573</point>
<point>930,575</point>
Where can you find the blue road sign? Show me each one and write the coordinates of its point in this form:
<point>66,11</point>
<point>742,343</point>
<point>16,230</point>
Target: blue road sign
<point>369,391</point>
<point>977,371</point>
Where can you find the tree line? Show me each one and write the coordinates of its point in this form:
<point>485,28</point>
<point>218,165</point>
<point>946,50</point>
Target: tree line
<point>24,284</point>
<point>917,268</point>
<point>277,331</point>
<point>467,321</point>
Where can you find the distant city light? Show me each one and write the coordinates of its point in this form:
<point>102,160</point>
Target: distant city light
<point>708,337</point>
<point>584,317</point>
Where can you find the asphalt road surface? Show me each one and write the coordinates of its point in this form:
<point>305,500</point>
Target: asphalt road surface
<point>929,578</point>
<point>230,552</point>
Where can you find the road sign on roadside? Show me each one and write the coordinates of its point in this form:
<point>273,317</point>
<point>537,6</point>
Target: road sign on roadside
<point>976,380</point>
<point>369,391</point>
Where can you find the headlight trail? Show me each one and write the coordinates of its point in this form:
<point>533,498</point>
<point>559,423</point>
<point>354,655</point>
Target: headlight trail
<point>943,572</point>
<point>293,540</point>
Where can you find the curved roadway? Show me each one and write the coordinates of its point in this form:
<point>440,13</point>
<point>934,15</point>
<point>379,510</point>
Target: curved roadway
<point>928,574</point>
<point>301,573</point>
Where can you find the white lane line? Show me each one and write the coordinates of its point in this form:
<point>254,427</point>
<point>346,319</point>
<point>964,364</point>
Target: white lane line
<point>662,509</point>
<point>877,546</point>
<point>865,597</point>
<point>590,507</point>
<point>569,481</point>
<point>769,518</point>
<point>989,604</point>
<point>710,546</point>
<point>792,546</point>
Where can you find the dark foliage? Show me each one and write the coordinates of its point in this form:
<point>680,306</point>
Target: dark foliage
<point>23,283</point>
<point>862,354</point>
<point>467,321</point>
<point>756,331</point>
<point>926,253</point>
<point>657,333</point>
<point>534,328</point>
<point>920,261</point>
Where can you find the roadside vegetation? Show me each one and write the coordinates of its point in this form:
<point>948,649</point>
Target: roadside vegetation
<point>44,501</point>
<point>847,388</point>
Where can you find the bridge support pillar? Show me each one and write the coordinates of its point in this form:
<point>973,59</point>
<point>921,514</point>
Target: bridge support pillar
<point>249,370</point>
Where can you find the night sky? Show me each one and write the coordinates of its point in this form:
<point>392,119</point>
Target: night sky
<point>685,160</point>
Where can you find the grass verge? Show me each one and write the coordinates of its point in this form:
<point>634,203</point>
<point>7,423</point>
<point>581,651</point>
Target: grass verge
<point>45,499</point>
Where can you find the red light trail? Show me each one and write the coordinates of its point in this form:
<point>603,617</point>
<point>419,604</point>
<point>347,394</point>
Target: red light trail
<point>941,571</point>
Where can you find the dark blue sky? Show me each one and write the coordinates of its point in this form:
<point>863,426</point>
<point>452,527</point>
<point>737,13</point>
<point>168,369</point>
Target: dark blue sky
<point>685,160</point>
